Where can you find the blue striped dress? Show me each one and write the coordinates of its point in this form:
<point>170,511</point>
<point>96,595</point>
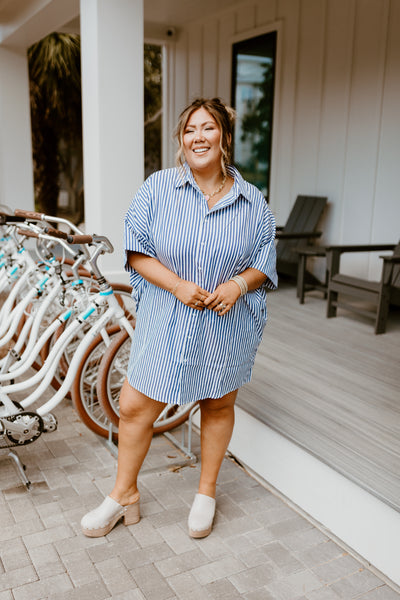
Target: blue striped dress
<point>180,354</point>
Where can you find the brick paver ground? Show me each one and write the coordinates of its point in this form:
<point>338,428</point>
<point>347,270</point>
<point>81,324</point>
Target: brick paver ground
<point>260,548</point>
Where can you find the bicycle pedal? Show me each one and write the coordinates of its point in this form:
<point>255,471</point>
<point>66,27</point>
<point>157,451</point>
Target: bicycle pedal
<point>50,423</point>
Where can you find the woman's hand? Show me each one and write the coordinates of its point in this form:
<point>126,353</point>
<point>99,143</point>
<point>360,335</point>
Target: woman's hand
<point>223,297</point>
<point>191,294</point>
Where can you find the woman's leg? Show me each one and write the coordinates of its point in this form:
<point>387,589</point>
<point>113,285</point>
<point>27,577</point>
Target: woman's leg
<point>217,421</point>
<point>135,432</point>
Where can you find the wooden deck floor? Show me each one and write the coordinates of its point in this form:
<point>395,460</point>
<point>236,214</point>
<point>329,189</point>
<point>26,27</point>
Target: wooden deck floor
<point>333,387</point>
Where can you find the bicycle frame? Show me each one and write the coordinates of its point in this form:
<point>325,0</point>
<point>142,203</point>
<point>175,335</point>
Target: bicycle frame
<point>46,373</point>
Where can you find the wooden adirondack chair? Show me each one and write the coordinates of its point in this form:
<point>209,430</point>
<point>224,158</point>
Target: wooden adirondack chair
<point>354,293</point>
<point>300,230</point>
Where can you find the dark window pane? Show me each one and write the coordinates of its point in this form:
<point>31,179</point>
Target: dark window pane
<point>152,107</point>
<point>253,97</point>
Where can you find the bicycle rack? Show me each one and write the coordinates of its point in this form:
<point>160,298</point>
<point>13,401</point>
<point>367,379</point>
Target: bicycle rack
<point>111,445</point>
<point>20,467</point>
<point>186,448</point>
<point>185,444</point>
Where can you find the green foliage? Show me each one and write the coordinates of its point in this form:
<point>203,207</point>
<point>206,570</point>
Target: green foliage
<point>257,122</point>
<point>56,115</point>
<point>152,107</point>
<point>56,111</point>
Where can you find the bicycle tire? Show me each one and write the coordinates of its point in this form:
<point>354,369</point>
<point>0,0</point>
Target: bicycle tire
<point>112,372</point>
<point>83,389</point>
<point>124,298</point>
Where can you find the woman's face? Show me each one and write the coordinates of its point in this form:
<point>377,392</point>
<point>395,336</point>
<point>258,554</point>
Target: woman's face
<point>201,141</point>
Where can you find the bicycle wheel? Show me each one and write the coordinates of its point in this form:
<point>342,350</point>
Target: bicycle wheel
<point>111,375</point>
<point>83,391</point>
<point>123,294</point>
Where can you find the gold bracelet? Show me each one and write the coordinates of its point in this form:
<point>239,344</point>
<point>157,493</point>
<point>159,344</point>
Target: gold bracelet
<point>242,283</point>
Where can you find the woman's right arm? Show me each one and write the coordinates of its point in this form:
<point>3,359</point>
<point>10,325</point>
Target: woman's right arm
<point>154,272</point>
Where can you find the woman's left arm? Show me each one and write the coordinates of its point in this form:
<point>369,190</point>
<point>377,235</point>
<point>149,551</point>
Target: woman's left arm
<point>226,294</point>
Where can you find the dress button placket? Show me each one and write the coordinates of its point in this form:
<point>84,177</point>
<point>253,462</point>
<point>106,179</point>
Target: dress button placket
<point>200,250</point>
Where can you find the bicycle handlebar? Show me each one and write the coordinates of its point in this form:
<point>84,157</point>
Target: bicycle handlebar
<point>71,239</point>
<point>80,239</point>
<point>27,232</point>
<point>56,233</point>
<point>10,219</point>
<point>36,216</point>
<point>29,214</point>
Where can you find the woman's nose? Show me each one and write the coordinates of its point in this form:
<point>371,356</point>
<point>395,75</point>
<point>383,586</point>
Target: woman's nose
<point>199,136</point>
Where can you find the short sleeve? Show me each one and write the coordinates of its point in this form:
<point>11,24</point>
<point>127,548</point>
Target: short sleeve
<point>137,231</point>
<point>263,257</point>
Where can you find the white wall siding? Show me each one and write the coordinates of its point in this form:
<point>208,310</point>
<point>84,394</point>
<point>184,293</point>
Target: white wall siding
<point>226,31</point>
<point>265,12</point>
<point>282,195</point>
<point>210,58</point>
<point>336,124</point>
<point>387,189</point>
<point>334,111</point>
<point>308,94</point>
<point>16,169</point>
<point>364,121</point>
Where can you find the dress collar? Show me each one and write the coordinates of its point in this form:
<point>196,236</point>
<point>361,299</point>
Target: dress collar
<point>239,188</point>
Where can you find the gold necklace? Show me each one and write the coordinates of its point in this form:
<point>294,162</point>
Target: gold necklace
<point>215,192</point>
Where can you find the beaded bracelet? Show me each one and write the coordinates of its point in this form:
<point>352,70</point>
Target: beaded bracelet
<point>173,291</point>
<point>242,283</point>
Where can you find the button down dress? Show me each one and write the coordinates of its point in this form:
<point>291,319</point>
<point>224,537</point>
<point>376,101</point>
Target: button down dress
<point>180,354</point>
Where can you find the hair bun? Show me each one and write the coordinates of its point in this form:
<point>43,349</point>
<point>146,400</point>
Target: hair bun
<point>230,111</point>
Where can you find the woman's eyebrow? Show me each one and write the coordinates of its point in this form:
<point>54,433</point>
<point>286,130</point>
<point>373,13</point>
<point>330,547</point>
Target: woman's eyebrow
<point>202,124</point>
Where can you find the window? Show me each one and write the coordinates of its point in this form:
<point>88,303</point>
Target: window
<point>152,107</point>
<point>253,77</point>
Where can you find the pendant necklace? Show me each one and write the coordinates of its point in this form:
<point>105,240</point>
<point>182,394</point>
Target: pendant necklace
<point>215,192</point>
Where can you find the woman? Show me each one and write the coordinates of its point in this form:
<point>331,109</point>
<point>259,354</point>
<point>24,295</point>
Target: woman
<point>200,248</point>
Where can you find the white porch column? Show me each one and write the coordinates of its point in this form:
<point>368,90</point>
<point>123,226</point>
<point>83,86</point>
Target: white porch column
<point>16,168</point>
<point>113,117</point>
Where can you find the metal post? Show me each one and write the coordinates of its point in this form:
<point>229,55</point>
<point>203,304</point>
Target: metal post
<point>185,448</point>
<point>20,467</point>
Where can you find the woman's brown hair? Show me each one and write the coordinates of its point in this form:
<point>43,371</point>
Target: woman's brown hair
<point>224,116</point>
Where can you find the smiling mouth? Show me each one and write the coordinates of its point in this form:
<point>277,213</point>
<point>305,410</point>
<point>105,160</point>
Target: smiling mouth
<point>200,150</point>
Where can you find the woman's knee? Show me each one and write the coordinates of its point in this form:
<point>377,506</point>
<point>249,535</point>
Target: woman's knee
<point>135,406</point>
<point>219,406</point>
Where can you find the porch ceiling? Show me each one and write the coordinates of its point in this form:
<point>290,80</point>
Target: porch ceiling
<point>178,12</point>
<point>10,9</point>
<point>19,18</point>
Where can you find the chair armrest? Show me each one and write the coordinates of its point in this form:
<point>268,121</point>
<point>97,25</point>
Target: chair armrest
<point>360,248</point>
<point>311,251</point>
<point>334,253</point>
<point>286,235</point>
<point>391,259</point>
